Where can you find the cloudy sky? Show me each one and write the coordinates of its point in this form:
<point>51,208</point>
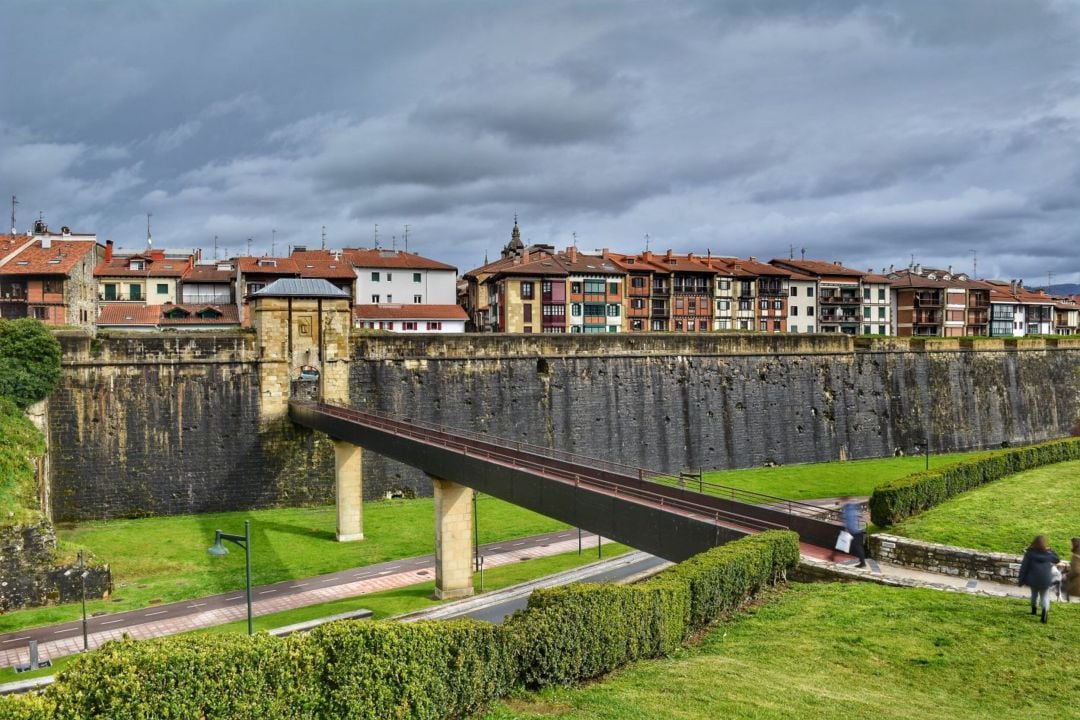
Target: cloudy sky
<point>868,132</point>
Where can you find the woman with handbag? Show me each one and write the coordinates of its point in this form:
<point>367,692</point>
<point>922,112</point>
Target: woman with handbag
<point>853,524</point>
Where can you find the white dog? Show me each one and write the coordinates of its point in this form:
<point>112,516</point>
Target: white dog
<point>1055,582</point>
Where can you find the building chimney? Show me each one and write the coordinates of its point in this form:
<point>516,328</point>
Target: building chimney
<point>46,242</point>
<point>647,256</point>
<point>917,269</point>
<point>571,252</point>
<point>753,259</point>
<point>108,251</point>
<point>950,270</point>
<point>668,256</point>
<point>689,256</point>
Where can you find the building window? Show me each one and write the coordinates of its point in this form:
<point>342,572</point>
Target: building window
<point>389,298</point>
<point>794,311</point>
<point>881,294</point>
<point>436,325</point>
<point>575,309</point>
<point>794,291</point>
<point>763,325</point>
<point>809,328</point>
<point>678,324</point>
<point>637,283</point>
<point>776,325</point>
<point>135,292</point>
<point>575,287</point>
<point>763,304</point>
<point>658,325</point>
<point>374,277</point>
<point>39,313</point>
<point>554,311</point>
<point>418,299</point>
<point>810,313</point>
<point>778,305</point>
<point>110,291</point>
<point>724,305</point>
<point>526,290</point>
<point>252,287</point>
<point>408,325</point>
<point>866,330</point>
<point>613,310</point>
<point>724,284</point>
<point>881,313</point>
<point>594,310</point>
<point>613,288</point>
<point>162,289</point>
<point>527,310</point>
<point>880,329</point>
<point>594,287</point>
<point>637,304</point>
<point>52,286</point>
<point>678,303</point>
<point>866,293</point>
<point>545,287</point>
<point>637,324</point>
<point>375,299</point>
<point>745,305</point>
<point>866,313</point>
<point>137,265</point>
<point>417,278</point>
<point>389,277</point>
<point>793,328</point>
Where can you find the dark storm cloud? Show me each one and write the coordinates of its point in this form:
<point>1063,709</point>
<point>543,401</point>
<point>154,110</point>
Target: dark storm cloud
<point>863,131</point>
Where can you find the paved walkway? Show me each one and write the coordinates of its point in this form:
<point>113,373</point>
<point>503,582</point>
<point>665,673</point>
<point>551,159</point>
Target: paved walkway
<point>66,639</point>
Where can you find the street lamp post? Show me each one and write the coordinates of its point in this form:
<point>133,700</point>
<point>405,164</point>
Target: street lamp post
<point>218,549</point>
<point>83,572</point>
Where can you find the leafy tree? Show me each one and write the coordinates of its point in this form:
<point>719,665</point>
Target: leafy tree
<point>29,361</point>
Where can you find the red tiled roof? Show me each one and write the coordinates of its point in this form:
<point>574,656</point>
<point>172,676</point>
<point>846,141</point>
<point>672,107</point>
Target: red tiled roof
<point>209,274</point>
<point>281,266</point>
<point>137,315</point>
<point>872,278</point>
<point>392,259</point>
<point>409,312</point>
<point>323,264</point>
<point>531,254</point>
<point>682,263</point>
<point>128,314</point>
<point>162,267</point>
<point>59,259</point>
<point>817,267</point>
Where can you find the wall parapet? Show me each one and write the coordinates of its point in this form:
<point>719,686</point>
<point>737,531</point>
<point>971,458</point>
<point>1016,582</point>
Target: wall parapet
<point>946,559</point>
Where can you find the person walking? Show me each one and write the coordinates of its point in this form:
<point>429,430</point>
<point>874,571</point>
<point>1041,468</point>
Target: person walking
<point>1036,570</point>
<point>853,524</point>
<point>1072,581</point>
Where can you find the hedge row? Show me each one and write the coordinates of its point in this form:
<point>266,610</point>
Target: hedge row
<point>900,499</point>
<point>384,670</point>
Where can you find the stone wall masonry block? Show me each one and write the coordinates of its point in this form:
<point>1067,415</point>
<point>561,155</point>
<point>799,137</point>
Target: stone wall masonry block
<point>453,539</point>
<point>947,559</point>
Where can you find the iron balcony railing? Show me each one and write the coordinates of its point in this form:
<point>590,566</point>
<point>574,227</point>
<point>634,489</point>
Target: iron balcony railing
<point>518,450</point>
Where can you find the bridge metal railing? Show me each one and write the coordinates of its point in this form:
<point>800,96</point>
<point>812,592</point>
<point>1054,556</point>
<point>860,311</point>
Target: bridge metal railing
<point>508,453</point>
<point>790,507</point>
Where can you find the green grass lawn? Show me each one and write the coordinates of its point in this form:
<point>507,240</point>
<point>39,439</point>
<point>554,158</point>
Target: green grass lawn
<point>847,651</point>
<point>165,558</point>
<point>1005,515</point>
<point>387,603</point>
<point>826,480</point>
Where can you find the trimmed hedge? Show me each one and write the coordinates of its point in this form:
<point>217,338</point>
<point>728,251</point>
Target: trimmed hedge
<point>579,632</point>
<point>423,670</point>
<point>900,499</point>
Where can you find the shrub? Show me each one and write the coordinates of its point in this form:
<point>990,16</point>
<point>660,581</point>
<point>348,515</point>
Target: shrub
<point>222,676</point>
<point>896,500</point>
<point>580,632</point>
<point>21,444</point>
<point>382,670</point>
<point>29,361</point>
<point>25,707</point>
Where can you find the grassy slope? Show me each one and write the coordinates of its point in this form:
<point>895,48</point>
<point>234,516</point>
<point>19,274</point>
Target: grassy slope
<point>20,442</point>
<point>825,480</point>
<point>1005,515</point>
<point>848,651</point>
<point>165,558</point>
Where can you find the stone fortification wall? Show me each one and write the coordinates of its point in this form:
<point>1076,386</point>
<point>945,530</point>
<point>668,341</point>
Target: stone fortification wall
<point>30,575</point>
<point>946,559</point>
<point>169,423</point>
<point>714,401</point>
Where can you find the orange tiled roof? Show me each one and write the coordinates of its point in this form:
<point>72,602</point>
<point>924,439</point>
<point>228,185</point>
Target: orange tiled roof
<point>817,267</point>
<point>392,259</point>
<point>409,312</point>
<point>154,267</point>
<point>58,259</point>
<point>281,266</point>
<point>323,264</point>
<point>137,315</point>
<point>128,314</point>
<point>532,253</point>
<point>228,315</point>
<point>209,274</point>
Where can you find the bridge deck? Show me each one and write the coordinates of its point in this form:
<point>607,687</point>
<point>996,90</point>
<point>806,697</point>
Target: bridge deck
<point>653,511</point>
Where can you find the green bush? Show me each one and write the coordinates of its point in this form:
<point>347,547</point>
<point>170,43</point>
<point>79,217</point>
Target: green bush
<point>29,361</point>
<point>424,670</point>
<point>579,632</point>
<point>21,444</point>
<point>382,670</point>
<point>896,500</point>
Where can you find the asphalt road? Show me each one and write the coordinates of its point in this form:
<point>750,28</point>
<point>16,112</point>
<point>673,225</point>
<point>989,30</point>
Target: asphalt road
<point>119,621</point>
<point>500,611</point>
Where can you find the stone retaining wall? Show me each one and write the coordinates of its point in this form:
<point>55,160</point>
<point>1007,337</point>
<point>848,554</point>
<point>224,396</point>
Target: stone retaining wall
<point>946,559</point>
<point>29,576</point>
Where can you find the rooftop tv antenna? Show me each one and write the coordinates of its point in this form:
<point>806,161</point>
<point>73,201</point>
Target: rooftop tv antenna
<point>14,202</point>
<point>974,264</point>
<point>249,247</point>
<point>802,253</point>
<point>323,237</point>
<point>575,239</point>
<point>376,235</point>
<point>393,242</point>
<point>215,248</point>
<point>646,242</point>
<point>791,252</point>
<point>1049,279</point>
<point>406,237</point>
<point>273,242</point>
<point>149,237</point>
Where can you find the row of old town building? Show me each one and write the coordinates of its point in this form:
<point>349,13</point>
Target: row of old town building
<point>70,278</point>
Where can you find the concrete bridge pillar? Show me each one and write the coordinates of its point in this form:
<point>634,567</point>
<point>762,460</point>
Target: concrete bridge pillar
<point>453,539</point>
<point>349,487</point>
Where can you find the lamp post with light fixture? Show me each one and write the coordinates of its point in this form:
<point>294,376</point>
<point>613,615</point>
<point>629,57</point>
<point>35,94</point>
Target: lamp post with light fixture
<point>218,549</point>
<point>83,572</point>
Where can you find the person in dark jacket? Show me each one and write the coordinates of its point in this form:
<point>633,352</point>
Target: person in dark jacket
<point>852,514</point>
<point>1036,570</point>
